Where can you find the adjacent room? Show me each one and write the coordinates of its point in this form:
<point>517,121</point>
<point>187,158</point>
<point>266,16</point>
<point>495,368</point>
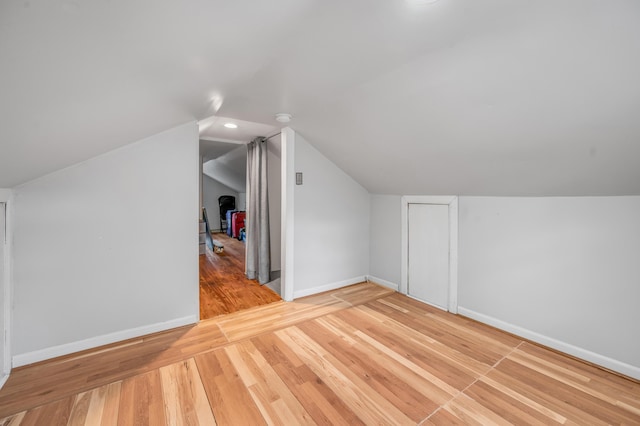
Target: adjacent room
<point>224,285</point>
<point>419,212</point>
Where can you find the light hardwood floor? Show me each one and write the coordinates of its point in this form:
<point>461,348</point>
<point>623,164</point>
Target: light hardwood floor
<point>359,355</point>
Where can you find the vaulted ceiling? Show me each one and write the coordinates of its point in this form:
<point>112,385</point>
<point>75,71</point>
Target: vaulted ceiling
<point>469,97</point>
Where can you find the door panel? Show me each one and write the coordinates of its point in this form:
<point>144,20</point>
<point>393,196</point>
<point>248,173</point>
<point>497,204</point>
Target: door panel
<point>428,253</point>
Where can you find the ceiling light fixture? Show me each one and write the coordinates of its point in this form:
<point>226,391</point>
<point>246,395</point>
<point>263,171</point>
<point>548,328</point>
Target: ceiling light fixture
<point>283,117</point>
<point>230,125</point>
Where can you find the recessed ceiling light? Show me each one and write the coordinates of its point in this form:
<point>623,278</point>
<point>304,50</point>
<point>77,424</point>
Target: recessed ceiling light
<point>230,125</point>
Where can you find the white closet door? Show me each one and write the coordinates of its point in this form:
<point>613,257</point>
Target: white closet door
<point>428,269</point>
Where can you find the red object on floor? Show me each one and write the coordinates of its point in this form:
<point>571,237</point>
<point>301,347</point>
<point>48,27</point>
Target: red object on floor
<point>237,222</point>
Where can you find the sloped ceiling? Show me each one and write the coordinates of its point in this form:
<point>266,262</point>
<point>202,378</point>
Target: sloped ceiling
<point>210,150</point>
<point>470,97</point>
<point>229,169</point>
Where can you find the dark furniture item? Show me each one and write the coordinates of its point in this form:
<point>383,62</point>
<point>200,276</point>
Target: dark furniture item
<point>226,202</point>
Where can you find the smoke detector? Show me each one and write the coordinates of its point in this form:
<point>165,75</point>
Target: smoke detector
<point>283,117</point>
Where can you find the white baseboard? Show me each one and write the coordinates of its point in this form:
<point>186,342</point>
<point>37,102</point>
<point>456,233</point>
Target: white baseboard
<point>93,342</point>
<point>328,287</point>
<point>3,380</point>
<point>585,354</point>
<point>382,282</point>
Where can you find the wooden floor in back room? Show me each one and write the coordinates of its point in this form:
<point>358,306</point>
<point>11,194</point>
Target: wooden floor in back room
<point>224,288</point>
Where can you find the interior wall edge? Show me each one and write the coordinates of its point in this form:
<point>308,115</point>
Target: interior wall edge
<point>287,182</point>
<point>20,360</point>
<point>6,198</point>
<point>584,354</point>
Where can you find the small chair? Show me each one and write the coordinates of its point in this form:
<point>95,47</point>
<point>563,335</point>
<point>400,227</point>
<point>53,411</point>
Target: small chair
<point>226,202</point>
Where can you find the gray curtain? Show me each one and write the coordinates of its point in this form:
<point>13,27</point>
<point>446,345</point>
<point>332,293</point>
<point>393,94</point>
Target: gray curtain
<point>258,241</point>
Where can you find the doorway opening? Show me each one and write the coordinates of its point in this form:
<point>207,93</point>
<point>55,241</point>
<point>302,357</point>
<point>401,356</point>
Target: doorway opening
<point>224,287</point>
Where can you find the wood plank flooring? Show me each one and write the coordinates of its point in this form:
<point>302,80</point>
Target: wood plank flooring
<point>359,355</point>
<point>224,287</point>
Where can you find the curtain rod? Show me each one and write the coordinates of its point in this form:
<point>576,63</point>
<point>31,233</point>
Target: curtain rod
<point>272,136</point>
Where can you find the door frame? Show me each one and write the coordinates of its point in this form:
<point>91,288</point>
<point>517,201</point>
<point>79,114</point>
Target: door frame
<point>287,188</point>
<point>287,182</point>
<point>452,202</point>
<point>6,287</point>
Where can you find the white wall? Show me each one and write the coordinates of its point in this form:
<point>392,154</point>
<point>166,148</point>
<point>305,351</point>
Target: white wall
<point>274,180</point>
<point>385,235</point>
<point>211,190</point>
<point>241,202</point>
<point>107,249</point>
<point>561,271</point>
<point>331,225</point>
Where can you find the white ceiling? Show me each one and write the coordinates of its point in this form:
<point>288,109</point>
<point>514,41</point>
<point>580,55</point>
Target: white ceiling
<point>216,139</point>
<point>472,97</point>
